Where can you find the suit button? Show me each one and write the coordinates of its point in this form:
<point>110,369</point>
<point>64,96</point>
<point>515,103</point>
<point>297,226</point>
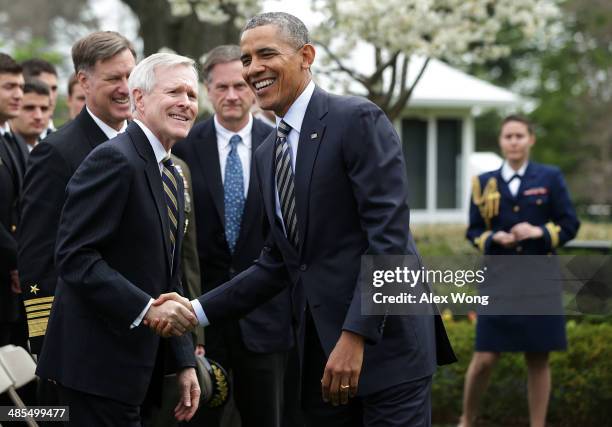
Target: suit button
<point>516,208</point>
<point>13,228</point>
<point>266,249</point>
<point>303,267</point>
<point>519,249</point>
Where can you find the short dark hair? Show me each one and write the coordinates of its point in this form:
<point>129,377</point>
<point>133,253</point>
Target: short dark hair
<point>290,27</point>
<point>219,55</point>
<point>36,86</point>
<point>98,46</point>
<point>34,67</point>
<point>521,119</point>
<point>8,65</point>
<point>71,82</point>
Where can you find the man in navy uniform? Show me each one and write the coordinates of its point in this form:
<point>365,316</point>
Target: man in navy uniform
<point>523,208</point>
<point>333,182</point>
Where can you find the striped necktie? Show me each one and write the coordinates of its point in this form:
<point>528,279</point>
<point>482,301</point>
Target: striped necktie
<point>171,194</point>
<point>233,189</point>
<point>285,182</point>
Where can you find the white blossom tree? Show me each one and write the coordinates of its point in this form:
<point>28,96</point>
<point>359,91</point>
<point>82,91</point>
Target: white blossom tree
<point>457,31</point>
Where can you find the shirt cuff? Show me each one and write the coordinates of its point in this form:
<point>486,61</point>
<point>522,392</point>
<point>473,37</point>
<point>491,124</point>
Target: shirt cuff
<point>199,312</point>
<point>138,320</point>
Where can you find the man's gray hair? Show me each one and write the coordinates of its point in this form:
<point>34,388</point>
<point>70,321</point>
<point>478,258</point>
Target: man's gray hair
<point>219,55</point>
<point>289,26</point>
<point>98,46</point>
<point>143,75</point>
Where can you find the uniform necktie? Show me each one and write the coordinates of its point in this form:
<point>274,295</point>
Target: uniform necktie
<point>285,182</point>
<point>514,183</point>
<point>171,195</point>
<point>233,189</point>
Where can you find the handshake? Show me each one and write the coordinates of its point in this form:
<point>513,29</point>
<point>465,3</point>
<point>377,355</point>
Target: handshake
<point>171,315</point>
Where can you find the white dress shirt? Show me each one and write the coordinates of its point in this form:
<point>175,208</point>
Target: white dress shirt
<point>244,149</point>
<point>294,118</point>
<point>108,131</point>
<point>160,154</point>
<point>507,173</point>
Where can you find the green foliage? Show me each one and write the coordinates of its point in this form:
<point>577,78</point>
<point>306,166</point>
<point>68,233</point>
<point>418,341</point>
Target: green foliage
<point>581,380</point>
<point>37,48</point>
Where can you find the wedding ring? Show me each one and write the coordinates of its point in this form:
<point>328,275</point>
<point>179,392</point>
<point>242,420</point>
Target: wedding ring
<point>344,387</point>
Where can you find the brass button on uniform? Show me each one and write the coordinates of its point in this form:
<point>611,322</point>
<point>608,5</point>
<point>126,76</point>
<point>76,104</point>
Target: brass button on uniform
<point>13,228</point>
<point>516,208</point>
<point>519,249</point>
<point>539,202</point>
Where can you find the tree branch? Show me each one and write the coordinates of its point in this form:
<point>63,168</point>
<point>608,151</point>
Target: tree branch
<point>354,74</point>
<point>405,95</point>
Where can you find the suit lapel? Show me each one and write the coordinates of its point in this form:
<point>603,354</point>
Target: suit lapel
<point>208,156</point>
<point>95,136</point>
<point>258,135</point>
<point>15,164</point>
<point>7,159</point>
<point>265,170</point>
<point>155,183</point>
<point>311,136</point>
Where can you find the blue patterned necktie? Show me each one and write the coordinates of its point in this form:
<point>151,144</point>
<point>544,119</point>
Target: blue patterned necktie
<point>285,182</point>
<point>171,195</point>
<point>233,188</point>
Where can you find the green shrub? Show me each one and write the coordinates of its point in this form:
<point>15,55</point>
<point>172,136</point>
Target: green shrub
<point>581,381</point>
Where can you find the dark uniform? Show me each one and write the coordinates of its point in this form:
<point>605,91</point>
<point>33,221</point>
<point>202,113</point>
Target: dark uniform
<point>50,166</point>
<point>12,329</point>
<point>542,200</point>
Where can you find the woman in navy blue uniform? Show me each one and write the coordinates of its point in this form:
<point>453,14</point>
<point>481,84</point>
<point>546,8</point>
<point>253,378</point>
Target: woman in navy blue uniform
<point>523,208</point>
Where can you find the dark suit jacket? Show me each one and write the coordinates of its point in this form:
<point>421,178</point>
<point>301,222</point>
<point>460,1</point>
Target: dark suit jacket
<point>113,255</point>
<point>51,164</point>
<point>351,197</point>
<point>10,181</point>
<point>542,199</point>
<point>267,328</point>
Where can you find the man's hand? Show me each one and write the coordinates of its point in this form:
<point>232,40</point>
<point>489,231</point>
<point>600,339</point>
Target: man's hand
<point>189,390</point>
<point>341,375</point>
<point>507,240</point>
<point>15,285</point>
<point>524,230</point>
<point>170,318</point>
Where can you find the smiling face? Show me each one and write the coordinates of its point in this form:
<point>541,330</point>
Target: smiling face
<point>515,142</point>
<point>230,96</point>
<point>106,88</point>
<point>276,71</point>
<point>11,95</point>
<point>171,107</point>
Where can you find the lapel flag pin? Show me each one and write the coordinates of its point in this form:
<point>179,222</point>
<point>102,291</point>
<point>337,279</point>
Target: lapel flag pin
<point>314,135</point>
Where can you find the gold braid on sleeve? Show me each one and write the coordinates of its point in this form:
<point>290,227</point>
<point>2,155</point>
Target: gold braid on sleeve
<point>487,200</point>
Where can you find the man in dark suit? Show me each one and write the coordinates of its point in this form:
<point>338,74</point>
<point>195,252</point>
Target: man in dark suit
<point>12,328</point>
<point>118,246</point>
<point>219,152</point>
<point>103,62</point>
<point>334,188</point>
